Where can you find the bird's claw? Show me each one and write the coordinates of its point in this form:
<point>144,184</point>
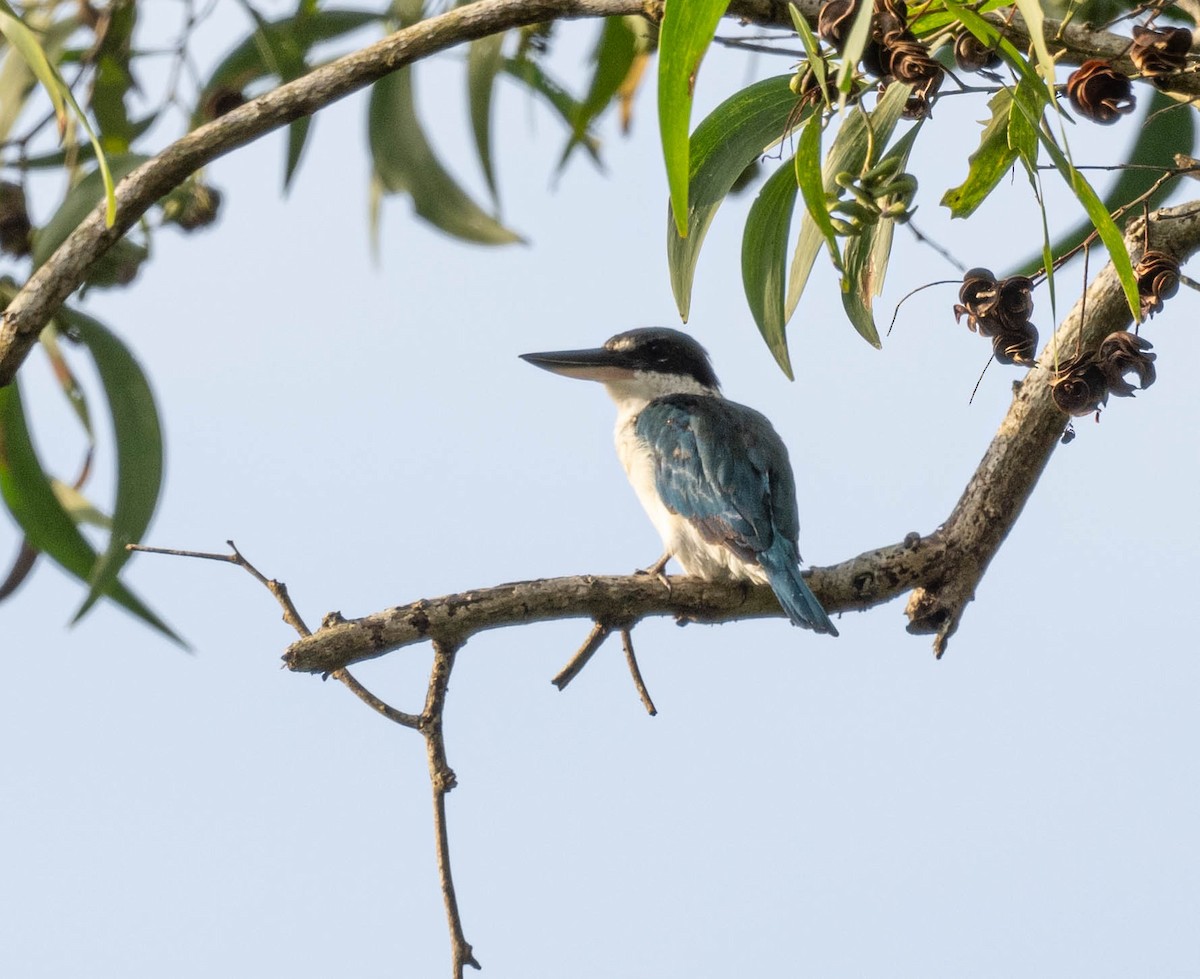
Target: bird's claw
<point>656,569</point>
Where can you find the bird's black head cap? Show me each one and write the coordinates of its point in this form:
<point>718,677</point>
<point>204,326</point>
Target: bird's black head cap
<point>664,351</point>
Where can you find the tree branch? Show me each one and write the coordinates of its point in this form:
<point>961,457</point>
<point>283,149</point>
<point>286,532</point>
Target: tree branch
<point>942,569</point>
<point>1030,432</point>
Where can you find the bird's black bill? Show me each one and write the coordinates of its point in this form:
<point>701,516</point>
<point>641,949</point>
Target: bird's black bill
<point>596,364</point>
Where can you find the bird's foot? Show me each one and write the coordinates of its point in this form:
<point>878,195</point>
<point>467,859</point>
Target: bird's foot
<point>656,569</point>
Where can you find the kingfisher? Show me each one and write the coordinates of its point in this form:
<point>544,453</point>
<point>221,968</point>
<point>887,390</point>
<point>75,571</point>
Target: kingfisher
<point>712,475</point>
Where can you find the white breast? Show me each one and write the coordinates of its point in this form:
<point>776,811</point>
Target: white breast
<point>695,555</point>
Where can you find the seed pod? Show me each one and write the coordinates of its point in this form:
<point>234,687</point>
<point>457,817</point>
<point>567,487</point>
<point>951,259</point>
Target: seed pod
<point>1123,353</point>
<point>971,54</point>
<point>1159,51</point>
<point>1016,345</point>
<point>1079,387</point>
<point>1158,279</point>
<point>977,297</point>
<point>835,20</point>
<point>1100,92</point>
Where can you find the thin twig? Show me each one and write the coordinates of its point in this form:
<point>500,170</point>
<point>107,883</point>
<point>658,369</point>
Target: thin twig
<point>362,693</point>
<point>636,673</point>
<point>594,641</point>
<point>276,588</point>
<point>443,779</point>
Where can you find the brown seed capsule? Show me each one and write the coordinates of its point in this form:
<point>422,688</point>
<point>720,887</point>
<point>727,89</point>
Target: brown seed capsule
<point>1159,51</point>
<point>971,54</point>
<point>1016,345</point>
<point>1123,353</point>
<point>835,20</point>
<point>1158,279</point>
<point>221,101</point>
<point>1016,300</point>
<point>15,229</point>
<point>1078,387</point>
<point>1100,92</point>
<point>977,297</point>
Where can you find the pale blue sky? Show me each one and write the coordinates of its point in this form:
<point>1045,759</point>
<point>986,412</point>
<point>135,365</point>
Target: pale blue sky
<point>800,806</point>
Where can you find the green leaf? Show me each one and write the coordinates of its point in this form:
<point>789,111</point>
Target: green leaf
<point>857,143</point>
<point>1106,228</point>
<point>139,447</point>
<point>613,58</point>
<point>866,257</point>
<point>764,259</point>
<point>534,77</point>
<point>812,51</point>
<point>1159,137</point>
<point>30,498</point>
<point>856,43</point>
<point>26,44</point>
<point>729,139</point>
<point>405,163</point>
<point>80,201</point>
<point>484,60</point>
<point>256,56</point>
<point>988,164</point>
<point>687,30</point>
<point>114,79</point>
<point>1035,20</point>
<point>985,32</point>
<point>1023,125</point>
<point>812,188</point>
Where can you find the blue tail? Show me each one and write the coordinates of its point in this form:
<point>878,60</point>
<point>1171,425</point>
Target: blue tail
<point>798,601</point>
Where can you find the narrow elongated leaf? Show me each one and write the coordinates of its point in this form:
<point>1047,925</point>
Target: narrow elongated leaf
<point>535,78</point>
<point>988,164</point>
<point>856,43</point>
<point>47,526</point>
<point>25,42</point>
<point>139,447</point>
<point>866,257</point>
<point>1159,137</point>
<point>1035,19</point>
<point>858,134</point>
<point>79,203</point>
<point>686,32</point>
<point>1025,121</point>
<point>807,164</point>
<point>484,60</point>
<point>252,58</point>
<point>613,58</point>
<point>405,163</point>
<point>764,259</point>
<point>730,138</point>
<point>1105,226</point>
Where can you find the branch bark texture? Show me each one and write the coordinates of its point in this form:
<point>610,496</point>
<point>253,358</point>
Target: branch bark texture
<point>941,570</point>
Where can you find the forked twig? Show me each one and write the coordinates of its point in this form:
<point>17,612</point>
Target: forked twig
<point>636,673</point>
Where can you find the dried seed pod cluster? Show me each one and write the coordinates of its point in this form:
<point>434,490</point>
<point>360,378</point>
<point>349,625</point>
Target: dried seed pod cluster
<point>1100,92</point>
<point>1082,384</point>
<point>1157,279</point>
<point>1160,51</point>
<point>971,54</point>
<point>1000,310</point>
<point>892,52</point>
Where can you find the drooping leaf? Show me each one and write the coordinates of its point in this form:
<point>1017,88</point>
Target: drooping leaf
<point>79,203</point>
<point>252,59</point>
<point>139,446</point>
<point>686,31</point>
<point>729,139</point>
<point>25,42</point>
<point>71,387</point>
<point>484,60</point>
<point>988,164</point>
<point>807,164</point>
<point>1035,19</point>
<point>856,43</point>
<point>405,163</point>
<point>534,77</point>
<point>1025,120</point>
<point>613,58</point>
<point>866,256</point>
<point>812,50</point>
<point>1159,137</point>
<point>114,79</point>
<point>860,132</point>
<point>764,259</point>
<point>47,526</point>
